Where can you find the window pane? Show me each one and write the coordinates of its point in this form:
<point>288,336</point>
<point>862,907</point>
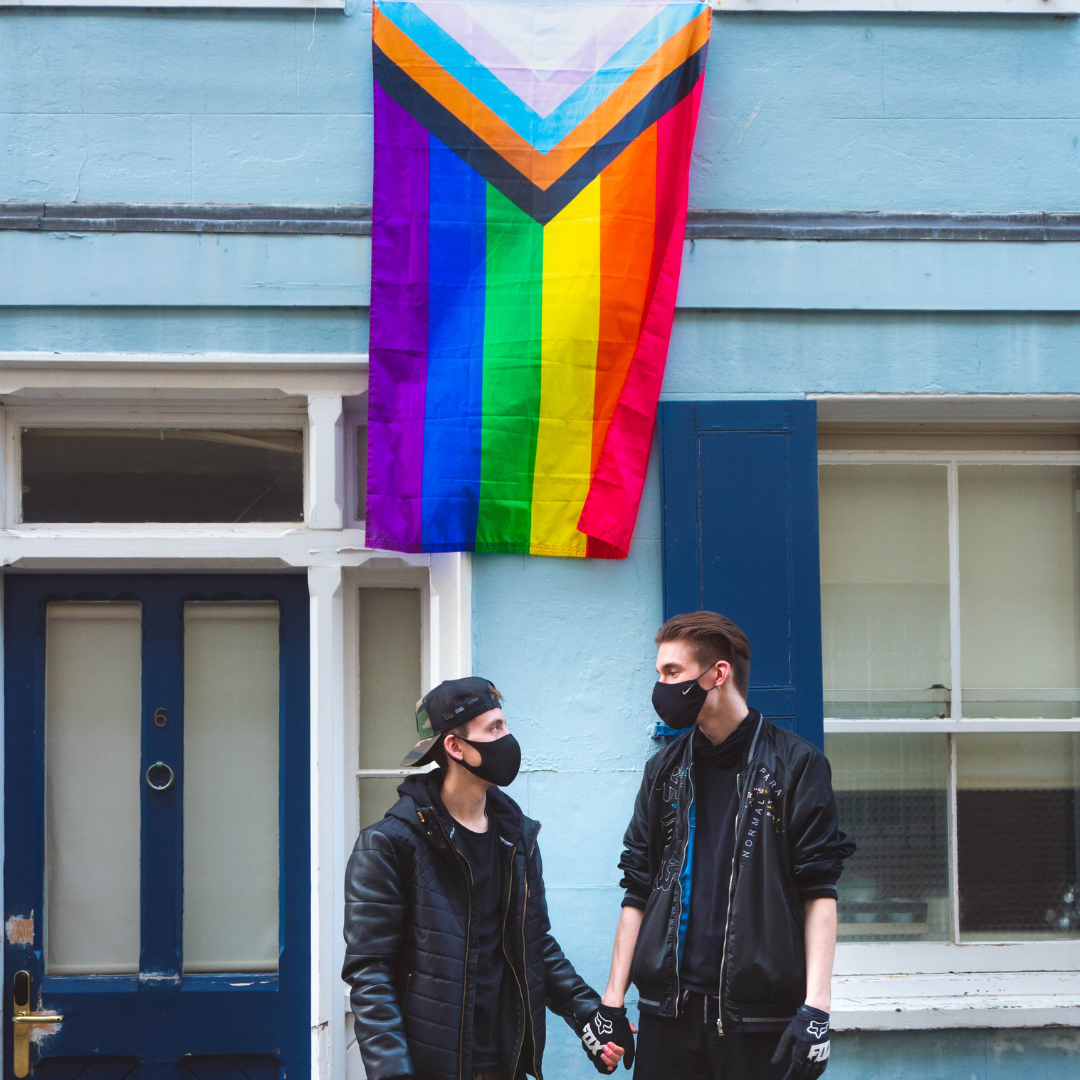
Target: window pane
<point>891,793</point>
<point>231,787</point>
<point>1017,835</point>
<point>1018,582</point>
<point>93,695</point>
<point>389,690</point>
<point>885,590</point>
<point>127,475</point>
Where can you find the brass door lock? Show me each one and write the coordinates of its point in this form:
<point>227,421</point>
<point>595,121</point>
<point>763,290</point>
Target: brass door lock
<point>23,1020</point>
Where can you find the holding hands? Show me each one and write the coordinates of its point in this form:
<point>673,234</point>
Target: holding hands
<point>607,1037</point>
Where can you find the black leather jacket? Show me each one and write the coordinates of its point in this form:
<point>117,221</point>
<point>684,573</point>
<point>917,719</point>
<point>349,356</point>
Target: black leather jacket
<point>788,848</point>
<point>411,944</point>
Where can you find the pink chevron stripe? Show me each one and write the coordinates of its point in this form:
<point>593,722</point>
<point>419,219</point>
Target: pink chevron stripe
<point>542,93</point>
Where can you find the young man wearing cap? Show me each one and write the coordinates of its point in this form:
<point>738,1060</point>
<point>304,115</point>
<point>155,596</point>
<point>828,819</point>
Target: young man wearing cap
<point>449,951</point>
<point>730,867</point>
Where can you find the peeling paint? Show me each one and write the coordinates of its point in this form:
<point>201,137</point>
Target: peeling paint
<point>40,1032</point>
<point>20,929</point>
<point>159,977</point>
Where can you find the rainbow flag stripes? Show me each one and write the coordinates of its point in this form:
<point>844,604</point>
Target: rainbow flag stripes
<point>531,165</point>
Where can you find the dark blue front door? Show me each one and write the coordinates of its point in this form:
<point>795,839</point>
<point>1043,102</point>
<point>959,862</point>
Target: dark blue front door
<point>156,876</point>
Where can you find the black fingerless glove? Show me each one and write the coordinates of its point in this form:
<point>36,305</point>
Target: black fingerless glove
<point>608,1025</point>
<point>806,1040</point>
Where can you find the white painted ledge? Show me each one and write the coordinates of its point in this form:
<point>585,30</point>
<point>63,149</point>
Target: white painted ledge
<point>1011,999</point>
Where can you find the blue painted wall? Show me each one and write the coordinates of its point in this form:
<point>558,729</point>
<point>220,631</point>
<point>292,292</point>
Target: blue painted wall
<point>804,112</point>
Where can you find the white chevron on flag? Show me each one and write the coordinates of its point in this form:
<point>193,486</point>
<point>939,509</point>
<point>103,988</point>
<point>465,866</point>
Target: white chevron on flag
<point>549,53</point>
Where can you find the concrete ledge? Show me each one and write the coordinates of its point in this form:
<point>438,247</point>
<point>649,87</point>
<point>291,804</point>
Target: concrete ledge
<point>702,224</point>
<point>931,1013</point>
<point>1010,999</point>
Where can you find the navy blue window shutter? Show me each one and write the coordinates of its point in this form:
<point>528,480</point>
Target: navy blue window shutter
<point>740,536</point>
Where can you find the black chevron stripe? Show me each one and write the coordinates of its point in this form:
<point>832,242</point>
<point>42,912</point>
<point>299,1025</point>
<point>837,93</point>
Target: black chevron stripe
<point>540,205</point>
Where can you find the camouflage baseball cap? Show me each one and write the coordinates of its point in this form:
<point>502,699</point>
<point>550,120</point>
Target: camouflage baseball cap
<point>451,703</point>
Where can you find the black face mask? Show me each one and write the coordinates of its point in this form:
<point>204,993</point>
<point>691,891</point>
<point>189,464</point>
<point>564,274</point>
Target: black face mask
<point>499,760</point>
<point>678,704</point>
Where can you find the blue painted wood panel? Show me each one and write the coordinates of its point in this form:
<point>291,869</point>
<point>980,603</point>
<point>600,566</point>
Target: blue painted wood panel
<point>161,1020</point>
<point>46,269</point>
<point>740,536</point>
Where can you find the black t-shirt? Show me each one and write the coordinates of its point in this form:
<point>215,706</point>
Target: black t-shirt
<point>716,799</point>
<point>481,852</point>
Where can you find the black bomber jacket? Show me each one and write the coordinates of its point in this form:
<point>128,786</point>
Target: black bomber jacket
<point>410,944</point>
<point>788,848</point>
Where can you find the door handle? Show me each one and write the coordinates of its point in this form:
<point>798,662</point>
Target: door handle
<point>23,1020</point>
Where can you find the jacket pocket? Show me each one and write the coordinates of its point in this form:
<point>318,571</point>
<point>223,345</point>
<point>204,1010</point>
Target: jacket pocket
<point>793,914</point>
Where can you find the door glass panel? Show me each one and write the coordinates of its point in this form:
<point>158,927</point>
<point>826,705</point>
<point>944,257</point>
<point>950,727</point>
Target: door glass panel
<point>1016,817</point>
<point>885,590</point>
<point>389,690</point>
<point>231,861</point>
<point>1018,591</point>
<point>93,691</point>
<point>891,794</point>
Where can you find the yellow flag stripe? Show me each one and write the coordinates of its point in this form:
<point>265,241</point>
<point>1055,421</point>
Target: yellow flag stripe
<point>570,331</point>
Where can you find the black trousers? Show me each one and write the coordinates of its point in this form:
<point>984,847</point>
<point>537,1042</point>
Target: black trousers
<point>690,1048</point>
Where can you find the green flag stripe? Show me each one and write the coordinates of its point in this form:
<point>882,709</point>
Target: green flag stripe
<point>511,394</point>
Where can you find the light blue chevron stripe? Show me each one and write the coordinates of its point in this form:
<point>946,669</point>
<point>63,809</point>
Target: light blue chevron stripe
<point>542,133</point>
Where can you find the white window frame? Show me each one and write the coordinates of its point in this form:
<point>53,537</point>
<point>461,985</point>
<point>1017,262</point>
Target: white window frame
<point>902,985</point>
<point>214,415</point>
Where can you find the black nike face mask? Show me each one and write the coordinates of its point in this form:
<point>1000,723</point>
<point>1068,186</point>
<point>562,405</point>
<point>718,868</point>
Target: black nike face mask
<point>678,704</point>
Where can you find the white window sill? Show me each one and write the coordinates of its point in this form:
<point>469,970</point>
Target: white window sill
<point>913,985</point>
<point>1000,1000</point>
<point>907,727</point>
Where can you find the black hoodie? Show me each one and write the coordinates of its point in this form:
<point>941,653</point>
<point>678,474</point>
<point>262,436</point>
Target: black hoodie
<point>410,944</point>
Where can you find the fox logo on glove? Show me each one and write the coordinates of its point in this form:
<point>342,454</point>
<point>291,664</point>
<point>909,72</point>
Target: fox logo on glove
<point>818,1029</point>
<point>592,1043</point>
<point>818,1052</point>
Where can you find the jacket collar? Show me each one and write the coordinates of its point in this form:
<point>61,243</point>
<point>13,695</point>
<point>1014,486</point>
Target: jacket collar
<point>757,740</point>
<point>417,797</point>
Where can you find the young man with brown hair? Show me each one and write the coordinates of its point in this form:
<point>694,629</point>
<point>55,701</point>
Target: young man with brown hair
<point>730,865</point>
<point>449,951</point>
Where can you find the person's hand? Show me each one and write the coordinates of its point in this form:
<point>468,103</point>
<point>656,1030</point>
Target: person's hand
<point>806,1039</point>
<point>609,1037</point>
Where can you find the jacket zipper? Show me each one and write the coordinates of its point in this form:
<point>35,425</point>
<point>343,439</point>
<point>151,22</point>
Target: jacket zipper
<point>528,1000</point>
<point>468,933</point>
<point>727,917</point>
<point>510,963</point>
<point>682,865</point>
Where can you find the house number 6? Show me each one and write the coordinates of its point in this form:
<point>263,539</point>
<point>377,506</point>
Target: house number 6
<point>160,719</point>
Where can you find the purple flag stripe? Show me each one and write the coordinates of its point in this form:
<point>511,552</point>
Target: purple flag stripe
<point>397,386</point>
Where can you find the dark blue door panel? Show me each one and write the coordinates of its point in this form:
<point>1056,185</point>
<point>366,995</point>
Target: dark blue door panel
<point>740,530</point>
<point>160,1022</point>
